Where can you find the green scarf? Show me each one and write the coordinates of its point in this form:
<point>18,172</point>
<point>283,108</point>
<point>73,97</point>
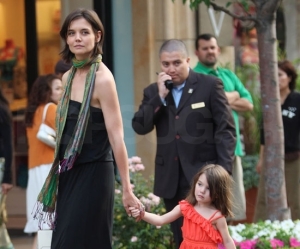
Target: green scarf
<point>47,196</point>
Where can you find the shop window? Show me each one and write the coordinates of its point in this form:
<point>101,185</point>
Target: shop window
<point>48,26</point>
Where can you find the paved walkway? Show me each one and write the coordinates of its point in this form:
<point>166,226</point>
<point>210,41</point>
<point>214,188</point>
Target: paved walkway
<point>20,240</point>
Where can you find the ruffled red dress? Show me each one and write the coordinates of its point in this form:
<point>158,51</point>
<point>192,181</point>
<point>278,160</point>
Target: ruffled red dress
<point>198,232</point>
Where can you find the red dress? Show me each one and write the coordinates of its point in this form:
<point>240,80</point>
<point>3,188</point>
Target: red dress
<point>198,232</point>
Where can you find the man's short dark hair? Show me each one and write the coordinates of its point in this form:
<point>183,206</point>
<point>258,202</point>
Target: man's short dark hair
<point>173,45</point>
<point>205,37</point>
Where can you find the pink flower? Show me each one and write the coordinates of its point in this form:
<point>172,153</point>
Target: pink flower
<point>134,239</point>
<point>248,244</point>
<point>275,243</point>
<point>155,199</point>
<point>131,168</point>
<point>221,246</point>
<point>147,202</point>
<point>294,242</point>
<point>139,167</point>
<point>136,159</point>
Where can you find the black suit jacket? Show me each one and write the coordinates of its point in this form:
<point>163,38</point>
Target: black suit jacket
<point>200,131</point>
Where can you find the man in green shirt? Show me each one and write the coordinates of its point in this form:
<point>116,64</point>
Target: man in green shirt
<point>239,98</point>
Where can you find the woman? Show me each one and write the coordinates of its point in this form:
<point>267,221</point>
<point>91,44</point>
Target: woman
<point>89,129</point>
<point>290,106</point>
<point>46,88</point>
<point>6,152</point>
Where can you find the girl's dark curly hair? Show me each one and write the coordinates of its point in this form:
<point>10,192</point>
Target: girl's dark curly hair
<point>40,94</point>
<point>92,18</point>
<point>291,72</point>
<point>220,188</point>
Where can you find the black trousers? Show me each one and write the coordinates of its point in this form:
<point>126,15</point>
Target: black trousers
<point>182,190</point>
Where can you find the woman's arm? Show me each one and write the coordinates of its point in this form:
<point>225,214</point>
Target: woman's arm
<point>105,90</point>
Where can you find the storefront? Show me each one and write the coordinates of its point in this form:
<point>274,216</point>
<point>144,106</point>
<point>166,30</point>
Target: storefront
<point>29,46</point>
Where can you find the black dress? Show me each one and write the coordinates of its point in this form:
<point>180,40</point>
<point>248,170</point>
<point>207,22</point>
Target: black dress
<point>6,146</point>
<point>86,192</point>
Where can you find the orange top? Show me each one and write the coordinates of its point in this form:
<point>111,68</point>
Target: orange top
<point>38,152</point>
<point>198,232</point>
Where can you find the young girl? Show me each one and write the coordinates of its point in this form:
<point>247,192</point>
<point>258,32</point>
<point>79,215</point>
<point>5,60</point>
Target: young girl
<point>204,210</point>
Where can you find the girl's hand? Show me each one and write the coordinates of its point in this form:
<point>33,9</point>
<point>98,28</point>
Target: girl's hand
<point>134,212</point>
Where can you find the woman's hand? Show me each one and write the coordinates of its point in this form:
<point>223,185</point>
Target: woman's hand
<point>6,187</point>
<point>130,201</point>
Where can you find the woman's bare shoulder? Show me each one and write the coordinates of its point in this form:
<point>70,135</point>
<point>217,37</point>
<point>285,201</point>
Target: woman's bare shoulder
<point>104,75</point>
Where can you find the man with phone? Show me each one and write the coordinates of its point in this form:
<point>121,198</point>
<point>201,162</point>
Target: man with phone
<point>193,122</point>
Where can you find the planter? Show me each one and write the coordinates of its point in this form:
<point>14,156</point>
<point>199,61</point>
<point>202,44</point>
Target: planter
<point>251,195</point>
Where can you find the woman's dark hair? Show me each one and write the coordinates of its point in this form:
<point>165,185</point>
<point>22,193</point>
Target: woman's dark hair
<point>92,18</point>
<point>4,109</point>
<point>290,70</point>
<point>40,94</point>
<point>220,188</point>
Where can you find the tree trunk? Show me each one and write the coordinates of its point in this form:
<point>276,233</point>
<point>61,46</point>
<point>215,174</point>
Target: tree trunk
<point>271,107</point>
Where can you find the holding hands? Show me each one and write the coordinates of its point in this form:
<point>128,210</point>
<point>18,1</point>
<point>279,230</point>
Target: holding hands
<point>137,213</point>
<point>133,206</point>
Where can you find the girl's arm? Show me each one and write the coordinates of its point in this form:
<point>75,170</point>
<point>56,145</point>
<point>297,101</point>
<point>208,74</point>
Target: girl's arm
<point>158,220</point>
<point>221,225</point>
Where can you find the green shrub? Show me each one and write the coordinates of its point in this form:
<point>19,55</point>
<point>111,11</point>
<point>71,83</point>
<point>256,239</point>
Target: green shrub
<point>129,234</point>
<point>251,177</point>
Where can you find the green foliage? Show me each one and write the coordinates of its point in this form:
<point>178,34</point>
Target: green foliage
<point>245,4</point>
<point>296,63</point>
<point>281,54</point>
<point>195,3</point>
<point>251,177</point>
<point>249,76</point>
<point>228,4</point>
<point>129,234</point>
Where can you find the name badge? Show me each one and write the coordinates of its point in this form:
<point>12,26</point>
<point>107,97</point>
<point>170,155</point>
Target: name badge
<point>198,105</point>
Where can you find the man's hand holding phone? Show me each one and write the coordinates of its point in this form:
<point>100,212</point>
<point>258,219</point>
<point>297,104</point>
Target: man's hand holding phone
<point>164,84</point>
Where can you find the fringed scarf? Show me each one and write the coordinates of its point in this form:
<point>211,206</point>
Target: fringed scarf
<point>45,211</point>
